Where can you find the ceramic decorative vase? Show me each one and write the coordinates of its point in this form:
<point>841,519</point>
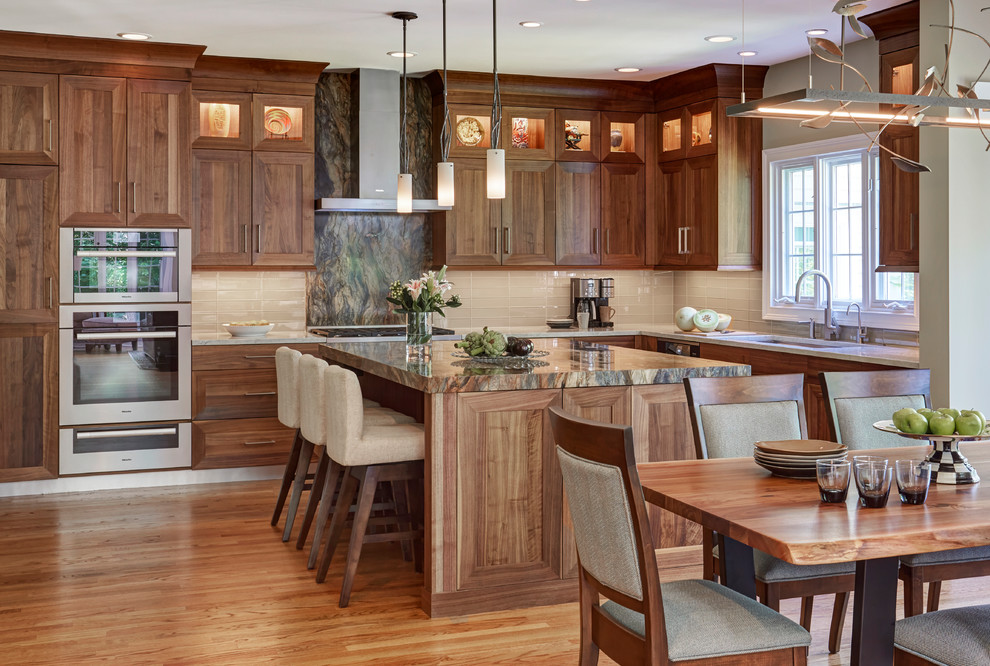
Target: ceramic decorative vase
<point>419,336</point>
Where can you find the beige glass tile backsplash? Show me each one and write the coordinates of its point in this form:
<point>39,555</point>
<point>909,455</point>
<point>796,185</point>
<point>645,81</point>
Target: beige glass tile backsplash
<point>221,297</point>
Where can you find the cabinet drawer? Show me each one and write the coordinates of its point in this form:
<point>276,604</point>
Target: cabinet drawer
<point>241,357</point>
<point>240,443</point>
<point>235,394</point>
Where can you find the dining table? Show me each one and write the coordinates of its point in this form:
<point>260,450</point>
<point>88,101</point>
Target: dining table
<point>750,508</point>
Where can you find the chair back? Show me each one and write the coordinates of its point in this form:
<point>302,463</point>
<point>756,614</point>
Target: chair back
<point>312,412</point>
<point>857,400</point>
<point>730,414</point>
<point>615,550</point>
<point>344,412</point>
<point>287,381</point>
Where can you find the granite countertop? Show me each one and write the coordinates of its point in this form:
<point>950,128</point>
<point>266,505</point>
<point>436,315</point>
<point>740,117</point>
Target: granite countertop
<point>567,364</point>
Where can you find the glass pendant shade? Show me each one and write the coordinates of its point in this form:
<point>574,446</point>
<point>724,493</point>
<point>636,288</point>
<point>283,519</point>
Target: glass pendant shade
<point>496,173</point>
<point>403,200</point>
<point>445,184</point>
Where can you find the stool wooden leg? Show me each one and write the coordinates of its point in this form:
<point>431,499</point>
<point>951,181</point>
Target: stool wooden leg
<point>287,476</point>
<point>807,606</point>
<point>838,620</point>
<point>302,468</point>
<point>340,512</point>
<point>913,594</point>
<point>934,590</point>
<point>326,506</point>
<point>315,493</point>
<point>369,482</point>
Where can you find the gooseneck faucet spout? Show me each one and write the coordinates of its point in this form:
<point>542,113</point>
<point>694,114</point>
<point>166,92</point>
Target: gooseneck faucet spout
<point>829,328</point>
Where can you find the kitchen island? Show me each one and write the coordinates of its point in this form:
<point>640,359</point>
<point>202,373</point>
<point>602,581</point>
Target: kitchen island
<point>498,533</point>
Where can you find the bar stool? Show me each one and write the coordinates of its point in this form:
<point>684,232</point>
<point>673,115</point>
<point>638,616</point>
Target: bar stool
<point>371,454</point>
<point>313,426</point>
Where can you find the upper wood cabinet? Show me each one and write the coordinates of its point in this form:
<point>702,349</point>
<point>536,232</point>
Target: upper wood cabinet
<point>127,152</point>
<point>623,137</point>
<point>469,234</point>
<point>284,123</point>
<point>471,130</point>
<point>221,212</point>
<point>221,120</point>
<point>528,134</point>
<point>283,210</point>
<point>28,244</point>
<point>623,219</point>
<point>689,218</point>
<point>689,131</point>
<point>28,118</point>
<point>579,135</point>
<point>528,214</point>
<point>579,213</point>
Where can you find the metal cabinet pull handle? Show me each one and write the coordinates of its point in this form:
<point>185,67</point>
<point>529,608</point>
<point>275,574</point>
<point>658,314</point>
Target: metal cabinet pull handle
<point>507,240</point>
<point>687,248</point>
<point>244,238</point>
<point>119,206</point>
<point>51,284</point>
<point>495,240</point>
<point>51,144</point>
<point>134,197</point>
<point>680,240</point>
<point>608,241</point>
<point>119,434</point>
<point>263,393</point>
<point>262,442</point>
<point>594,241</point>
<point>259,239</point>
<point>272,356</point>
<point>123,335</point>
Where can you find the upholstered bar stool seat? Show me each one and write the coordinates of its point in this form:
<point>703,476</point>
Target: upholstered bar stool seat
<point>287,382</point>
<point>370,454</point>
<point>956,636</point>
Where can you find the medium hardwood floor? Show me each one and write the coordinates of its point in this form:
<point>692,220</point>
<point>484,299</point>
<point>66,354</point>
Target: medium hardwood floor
<point>196,575</point>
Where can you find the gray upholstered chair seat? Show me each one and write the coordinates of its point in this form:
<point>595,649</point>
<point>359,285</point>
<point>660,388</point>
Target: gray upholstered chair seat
<point>956,556</point>
<point>954,637</point>
<point>705,619</point>
<point>772,569</point>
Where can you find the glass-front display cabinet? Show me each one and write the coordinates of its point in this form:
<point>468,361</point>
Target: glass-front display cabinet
<point>283,123</point>
<point>688,131</point>
<point>623,137</point>
<point>578,133</point>
<point>472,130</point>
<point>671,135</point>
<point>221,120</point>
<point>527,134</point>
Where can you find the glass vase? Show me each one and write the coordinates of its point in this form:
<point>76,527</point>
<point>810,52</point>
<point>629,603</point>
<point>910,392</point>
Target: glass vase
<point>419,336</point>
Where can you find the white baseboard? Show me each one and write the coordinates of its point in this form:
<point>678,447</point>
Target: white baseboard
<point>180,477</point>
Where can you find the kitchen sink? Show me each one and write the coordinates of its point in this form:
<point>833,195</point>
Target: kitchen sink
<point>798,342</point>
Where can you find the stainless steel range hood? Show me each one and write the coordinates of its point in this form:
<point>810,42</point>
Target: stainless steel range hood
<point>375,147</point>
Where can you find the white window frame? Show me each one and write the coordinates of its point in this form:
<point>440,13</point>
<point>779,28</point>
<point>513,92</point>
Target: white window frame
<point>873,314</point>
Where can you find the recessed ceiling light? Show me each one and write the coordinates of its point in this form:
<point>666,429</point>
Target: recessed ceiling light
<point>747,54</point>
<point>628,70</point>
<point>718,39</point>
<point>815,32</point>
<point>530,24</point>
<point>402,54</point>
<point>137,36</point>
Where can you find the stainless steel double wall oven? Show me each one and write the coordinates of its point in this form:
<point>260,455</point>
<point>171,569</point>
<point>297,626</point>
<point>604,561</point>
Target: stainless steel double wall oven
<point>124,350</point>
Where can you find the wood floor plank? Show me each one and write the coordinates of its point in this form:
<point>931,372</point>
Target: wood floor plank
<point>196,575</point>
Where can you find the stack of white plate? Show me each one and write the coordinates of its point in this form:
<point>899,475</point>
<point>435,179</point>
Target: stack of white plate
<point>796,458</point>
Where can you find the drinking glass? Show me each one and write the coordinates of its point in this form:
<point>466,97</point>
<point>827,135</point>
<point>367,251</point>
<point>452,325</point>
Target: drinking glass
<point>913,479</point>
<point>873,480</point>
<point>833,480</point>
<point>583,315</point>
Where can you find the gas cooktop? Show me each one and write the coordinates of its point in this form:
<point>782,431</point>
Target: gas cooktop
<point>371,331</point>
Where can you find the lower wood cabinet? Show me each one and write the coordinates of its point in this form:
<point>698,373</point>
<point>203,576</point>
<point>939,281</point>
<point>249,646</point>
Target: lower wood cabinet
<point>28,402</point>
<point>235,406</point>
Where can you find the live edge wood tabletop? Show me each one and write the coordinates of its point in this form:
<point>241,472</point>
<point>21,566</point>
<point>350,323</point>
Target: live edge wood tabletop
<point>785,518</point>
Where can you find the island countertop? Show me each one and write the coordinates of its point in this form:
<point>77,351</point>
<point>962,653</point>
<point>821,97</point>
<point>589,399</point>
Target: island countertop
<point>568,364</point>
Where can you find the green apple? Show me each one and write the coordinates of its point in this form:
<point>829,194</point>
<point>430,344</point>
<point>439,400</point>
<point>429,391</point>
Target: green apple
<point>900,418</point>
<point>983,419</point>
<point>916,424</point>
<point>941,424</point>
<point>927,412</point>
<point>969,425</point>
<point>949,410</point>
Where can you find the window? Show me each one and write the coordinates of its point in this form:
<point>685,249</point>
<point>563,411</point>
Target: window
<point>820,212</point>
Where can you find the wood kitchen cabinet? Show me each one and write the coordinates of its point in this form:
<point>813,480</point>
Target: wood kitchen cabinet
<point>528,134</point>
<point>284,123</point>
<point>221,211</point>
<point>235,406</point>
<point>579,134</point>
<point>688,218</point>
<point>28,402</point>
<point>282,217</point>
<point>28,244</point>
<point>126,152</point>
<point>28,118</point>
<point>623,217</point>
<point>221,120</point>
<point>579,213</point>
<point>468,234</point>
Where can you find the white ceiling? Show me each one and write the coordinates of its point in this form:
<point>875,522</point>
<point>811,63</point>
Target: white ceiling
<point>586,39</point>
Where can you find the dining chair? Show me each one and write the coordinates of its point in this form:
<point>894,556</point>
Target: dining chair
<point>958,636</point>
<point>644,621</point>
<point>728,416</point>
<point>857,400</point>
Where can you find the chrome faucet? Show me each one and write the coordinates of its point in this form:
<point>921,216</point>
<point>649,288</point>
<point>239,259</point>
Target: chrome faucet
<point>861,335</point>
<point>829,328</point>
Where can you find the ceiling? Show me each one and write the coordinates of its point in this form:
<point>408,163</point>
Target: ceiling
<point>578,38</point>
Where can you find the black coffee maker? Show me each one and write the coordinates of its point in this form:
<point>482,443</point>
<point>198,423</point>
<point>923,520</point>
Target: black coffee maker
<point>591,295</point>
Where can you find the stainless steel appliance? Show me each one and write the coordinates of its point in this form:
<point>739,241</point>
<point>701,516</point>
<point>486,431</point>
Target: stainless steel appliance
<point>591,295</point>
<point>125,265</point>
<point>124,364</point>
<point>678,348</point>
<point>89,449</point>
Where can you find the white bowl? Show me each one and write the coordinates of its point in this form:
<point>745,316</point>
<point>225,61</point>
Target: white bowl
<point>248,331</point>
<point>559,323</point>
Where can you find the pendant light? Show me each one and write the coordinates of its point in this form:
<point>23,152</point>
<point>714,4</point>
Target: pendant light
<point>445,168</point>
<point>403,199</point>
<point>495,155</point>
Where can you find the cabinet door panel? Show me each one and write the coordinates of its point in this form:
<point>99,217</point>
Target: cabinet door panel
<point>701,197</point>
<point>28,244</point>
<point>240,443</point>
<point>283,209</point>
<point>234,394</point>
<point>578,213</point>
<point>472,236</point>
<point>28,408</point>
<point>509,486</point>
<point>221,217</point>
<point>899,202</point>
<point>159,152</point>
<point>671,214</point>
<point>528,220</point>
<point>93,135</point>
<point>623,214</point>
<point>28,118</point>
